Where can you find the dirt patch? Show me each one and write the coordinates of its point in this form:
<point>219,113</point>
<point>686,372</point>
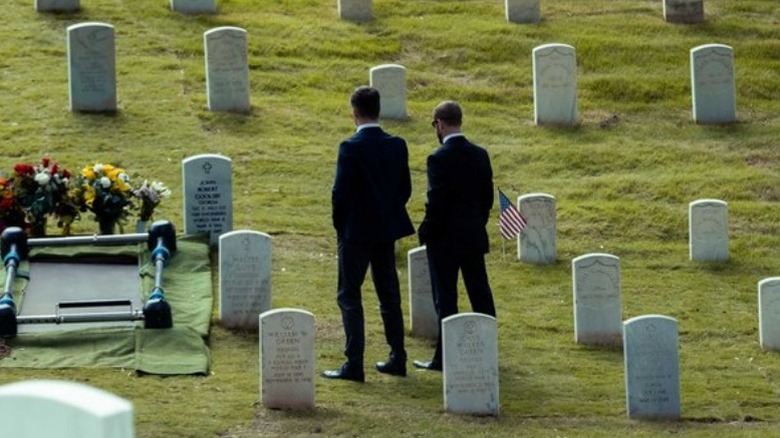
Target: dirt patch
<point>5,350</point>
<point>759,161</point>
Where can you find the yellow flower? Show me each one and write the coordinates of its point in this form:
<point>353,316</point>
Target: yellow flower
<point>89,195</point>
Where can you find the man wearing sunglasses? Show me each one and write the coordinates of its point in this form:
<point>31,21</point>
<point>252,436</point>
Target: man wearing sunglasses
<point>460,196</point>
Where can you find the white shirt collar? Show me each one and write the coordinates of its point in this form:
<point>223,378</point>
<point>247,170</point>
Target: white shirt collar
<point>453,135</point>
<point>367,125</point>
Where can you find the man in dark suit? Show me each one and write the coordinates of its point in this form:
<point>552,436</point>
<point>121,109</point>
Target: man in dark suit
<point>370,192</point>
<point>460,196</point>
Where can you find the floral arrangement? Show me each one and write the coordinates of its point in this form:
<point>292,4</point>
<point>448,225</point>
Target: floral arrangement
<point>105,190</point>
<point>38,191</point>
<point>11,213</point>
<point>33,193</point>
<point>149,195</point>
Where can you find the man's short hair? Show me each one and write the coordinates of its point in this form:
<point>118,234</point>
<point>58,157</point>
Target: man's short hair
<point>365,101</point>
<point>449,112</point>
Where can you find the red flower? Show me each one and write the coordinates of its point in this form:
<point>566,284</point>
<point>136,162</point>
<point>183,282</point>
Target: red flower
<point>24,169</point>
<point>45,161</point>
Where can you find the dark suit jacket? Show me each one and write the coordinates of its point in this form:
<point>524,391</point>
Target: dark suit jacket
<point>371,188</point>
<point>460,196</point>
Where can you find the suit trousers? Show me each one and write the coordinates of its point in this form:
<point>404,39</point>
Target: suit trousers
<point>444,264</point>
<point>353,263</point>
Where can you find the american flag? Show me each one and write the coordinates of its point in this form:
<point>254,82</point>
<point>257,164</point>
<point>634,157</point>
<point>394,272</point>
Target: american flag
<point>510,221</point>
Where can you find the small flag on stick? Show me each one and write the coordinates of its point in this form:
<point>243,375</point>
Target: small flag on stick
<point>510,221</point>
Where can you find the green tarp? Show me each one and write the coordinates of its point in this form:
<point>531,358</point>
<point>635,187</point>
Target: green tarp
<point>179,350</point>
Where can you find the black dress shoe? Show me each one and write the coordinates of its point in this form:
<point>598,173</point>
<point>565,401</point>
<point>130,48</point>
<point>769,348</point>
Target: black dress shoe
<point>429,365</point>
<point>345,373</point>
<point>393,366</point>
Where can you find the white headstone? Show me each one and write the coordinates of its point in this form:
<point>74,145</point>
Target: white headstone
<point>194,6</point>
<point>597,313</point>
<point>537,244</point>
<point>244,278</point>
<point>708,230</point>
<point>208,195</point>
<point>287,359</point>
<point>425,323</point>
<point>555,85</point>
<point>91,67</point>
<point>53,408</point>
<point>57,5</point>
<point>227,69</point>
<point>684,11</point>
<point>390,80</point>
<point>769,313</point>
<point>712,84</point>
<point>355,10</point>
<point>523,11</point>
<point>470,354</point>
<point>652,367</point>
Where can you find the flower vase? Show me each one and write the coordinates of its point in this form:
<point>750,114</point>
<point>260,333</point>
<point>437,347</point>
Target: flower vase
<point>107,226</point>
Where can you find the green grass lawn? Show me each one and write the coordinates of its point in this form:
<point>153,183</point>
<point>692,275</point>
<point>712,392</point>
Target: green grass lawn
<point>623,189</point>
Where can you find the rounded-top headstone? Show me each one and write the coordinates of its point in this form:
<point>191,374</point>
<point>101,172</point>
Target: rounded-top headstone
<point>555,84</point>
<point>92,67</point>
<point>53,408</point>
<point>390,81</point>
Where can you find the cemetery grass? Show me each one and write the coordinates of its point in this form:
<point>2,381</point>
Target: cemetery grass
<point>622,180</point>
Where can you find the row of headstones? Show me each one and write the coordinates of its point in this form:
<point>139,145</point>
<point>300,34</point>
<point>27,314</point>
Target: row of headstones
<point>287,372</point>
<point>92,68</point>
<point>517,11</point>
<point>708,238</point>
<point>529,11</point>
<point>92,72</point>
<point>595,277</point>
<point>183,6</point>
<point>596,286</point>
<point>470,363</point>
<point>92,77</point>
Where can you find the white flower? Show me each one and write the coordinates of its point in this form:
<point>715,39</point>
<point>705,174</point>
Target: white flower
<point>105,182</point>
<point>42,178</point>
<point>97,168</point>
<point>160,189</point>
<point>125,178</point>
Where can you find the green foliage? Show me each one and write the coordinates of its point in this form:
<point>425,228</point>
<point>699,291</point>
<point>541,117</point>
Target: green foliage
<point>622,180</point>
